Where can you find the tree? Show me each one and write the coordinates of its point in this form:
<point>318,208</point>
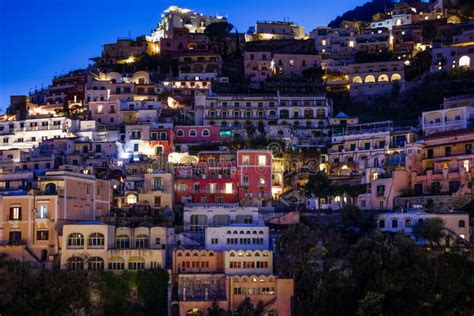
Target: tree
<point>371,304</point>
<point>245,308</point>
<point>431,229</point>
<point>215,310</point>
<point>217,32</point>
<point>152,287</point>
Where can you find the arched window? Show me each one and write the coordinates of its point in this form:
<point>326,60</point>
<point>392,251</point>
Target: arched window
<point>95,263</point>
<point>383,78</point>
<point>141,241</point>
<point>370,79</point>
<point>75,263</point>
<point>50,189</point>
<point>462,223</point>
<point>408,222</point>
<point>123,242</point>
<point>205,133</point>
<point>381,223</point>
<point>180,133</point>
<point>357,79</point>
<point>192,133</point>
<point>465,61</point>
<point>75,240</point>
<point>116,263</point>
<point>395,77</point>
<point>394,223</point>
<point>136,263</point>
<point>96,240</point>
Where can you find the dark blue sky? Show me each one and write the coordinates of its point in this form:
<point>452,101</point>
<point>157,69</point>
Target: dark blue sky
<point>41,38</point>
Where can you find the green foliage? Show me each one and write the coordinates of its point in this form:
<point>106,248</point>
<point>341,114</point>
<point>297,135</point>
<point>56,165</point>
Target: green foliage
<point>375,275</point>
<point>152,286</point>
<point>431,229</point>
<point>28,291</point>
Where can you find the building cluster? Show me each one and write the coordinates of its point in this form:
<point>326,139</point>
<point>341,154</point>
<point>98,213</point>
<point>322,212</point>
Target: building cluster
<point>118,168</point>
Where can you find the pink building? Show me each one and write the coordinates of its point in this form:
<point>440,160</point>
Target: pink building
<point>106,112</point>
<point>198,134</point>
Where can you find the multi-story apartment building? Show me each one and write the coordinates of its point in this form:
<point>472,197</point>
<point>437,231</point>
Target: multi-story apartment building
<point>458,53</point>
<point>255,172</point>
<point>265,60</point>
<point>364,148</point>
<point>252,113</point>
<point>158,190</point>
<point>33,220</point>
<point>199,66</point>
<point>276,30</point>
<point>375,78</point>
<point>335,43</point>
<point>98,246</point>
<point>407,39</point>
<point>106,112</point>
<point>174,19</point>
<point>373,40</point>
<point>398,16</point>
<point>446,119</point>
<point>444,165</point>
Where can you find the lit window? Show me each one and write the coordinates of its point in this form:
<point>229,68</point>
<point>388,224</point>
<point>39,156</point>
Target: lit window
<point>43,211</point>
<point>246,160</point>
<point>262,160</point>
<point>292,62</point>
<point>465,164</point>
<point>100,109</point>
<point>262,180</point>
<point>228,188</point>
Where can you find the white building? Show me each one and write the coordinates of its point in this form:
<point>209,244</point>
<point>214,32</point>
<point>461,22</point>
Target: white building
<point>446,119</point>
<point>237,237</point>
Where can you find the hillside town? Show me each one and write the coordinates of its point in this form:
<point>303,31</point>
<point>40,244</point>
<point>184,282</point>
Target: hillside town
<point>199,150</point>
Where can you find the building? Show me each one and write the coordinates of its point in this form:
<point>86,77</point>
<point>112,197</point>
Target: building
<point>276,30</point>
<point>33,220</point>
<point>373,40</point>
<point>375,78</point>
<point>446,119</point>
<point>237,236</point>
<point>199,66</point>
<point>404,221</point>
<point>265,60</point>
<point>98,246</point>
<point>335,43</point>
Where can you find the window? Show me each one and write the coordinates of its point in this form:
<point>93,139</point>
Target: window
<point>408,223</point>
<point>123,242</point>
<point>157,241</point>
<point>15,213</point>
<point>192,133</point>
<point>429,153</point>
<point>141,241</point>
<point>394,223</point>
<point>246,160</point>
<point>381,223</point>
<point>205,133</point>
<point>180,133</point>
<point>214,241</point>
<point>462,223</point>
<point>96,240</point>
<point>116,265</point>
<point>468,149</point>
<point>43,211</point>
<point>95,263</point>
<point>75,240</point>
<point>75,263</point>
<point>262,160</point>
<point>42,235</point>
<point>136,264</point>
<point>447,151</point>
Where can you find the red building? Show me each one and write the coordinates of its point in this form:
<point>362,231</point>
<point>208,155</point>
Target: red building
<point>255,167</point>
<point>183,42</point>
<point>226,177</point>
<point>214,179</point>
<point>161,140</point>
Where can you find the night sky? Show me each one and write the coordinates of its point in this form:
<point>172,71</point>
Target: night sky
<point>43,38</point>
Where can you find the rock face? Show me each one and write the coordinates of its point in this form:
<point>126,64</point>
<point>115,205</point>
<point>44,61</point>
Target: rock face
<point>362,13</point>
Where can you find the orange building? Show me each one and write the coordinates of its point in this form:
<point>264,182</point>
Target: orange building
<point>32,221</point>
